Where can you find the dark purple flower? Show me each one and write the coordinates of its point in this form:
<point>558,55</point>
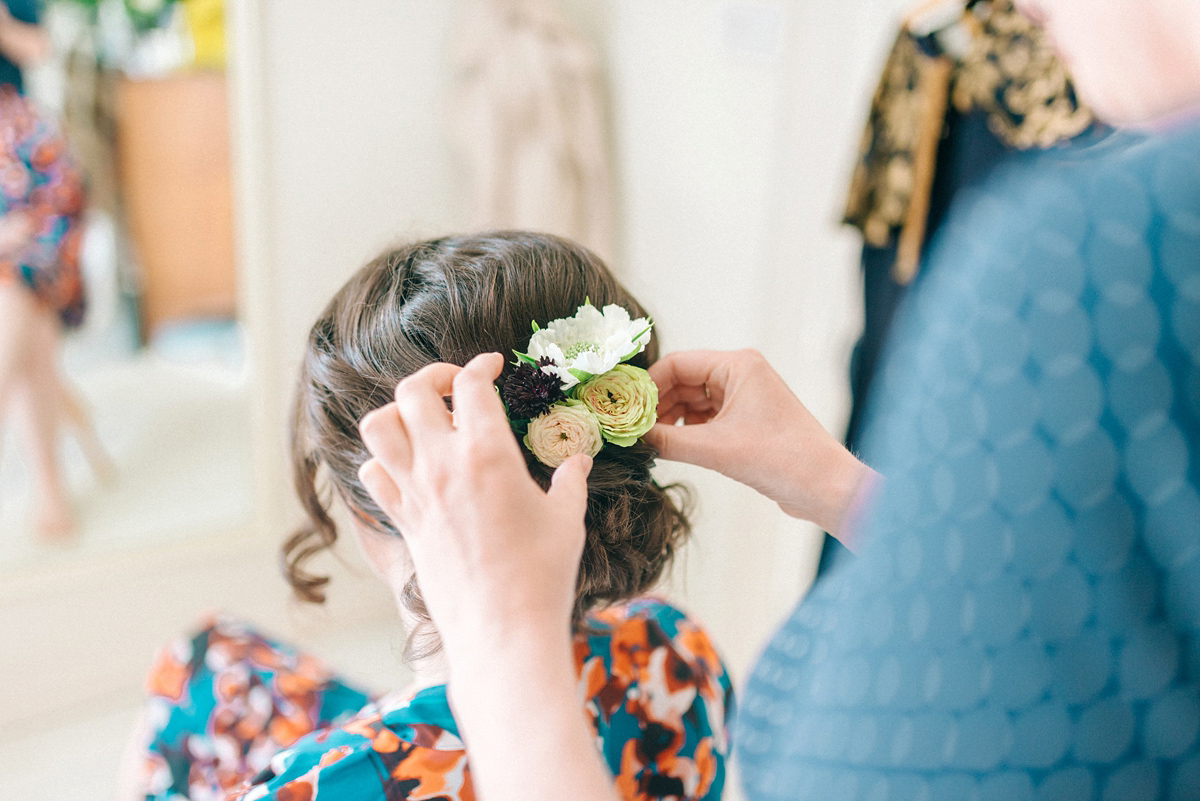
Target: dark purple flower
<point>528,392</point>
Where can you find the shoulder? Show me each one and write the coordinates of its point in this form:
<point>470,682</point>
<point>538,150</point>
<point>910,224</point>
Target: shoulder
<point>344,755</point>
<point>381,753</point>
<point>659,697</point>
<point>632,633</point>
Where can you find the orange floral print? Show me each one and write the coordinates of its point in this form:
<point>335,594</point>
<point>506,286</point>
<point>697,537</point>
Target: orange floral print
<point>39,179</point>
<point>264,721</point>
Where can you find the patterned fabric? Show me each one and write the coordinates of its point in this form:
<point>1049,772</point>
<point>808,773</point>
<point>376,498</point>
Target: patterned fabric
<point>39,178</point>
<point>234,715</point>
<point>1024,620</point>
<point>1009,71</point>
<point>1013,74</point>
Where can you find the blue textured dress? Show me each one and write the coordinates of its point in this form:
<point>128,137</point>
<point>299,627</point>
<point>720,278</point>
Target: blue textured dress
<point>1024,619</point>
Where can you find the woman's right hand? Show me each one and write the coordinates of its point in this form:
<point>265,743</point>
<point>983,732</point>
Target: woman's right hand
<point>741,419</point>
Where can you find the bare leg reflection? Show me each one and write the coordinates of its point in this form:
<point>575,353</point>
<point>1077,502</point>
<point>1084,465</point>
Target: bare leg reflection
<point>79,421</point>
<point>34,395</point>
<point>34,401</point>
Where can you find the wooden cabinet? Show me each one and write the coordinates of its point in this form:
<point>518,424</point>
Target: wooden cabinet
<point>174,165</point>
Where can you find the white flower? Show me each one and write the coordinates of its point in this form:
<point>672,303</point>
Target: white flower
<point>590,343</point>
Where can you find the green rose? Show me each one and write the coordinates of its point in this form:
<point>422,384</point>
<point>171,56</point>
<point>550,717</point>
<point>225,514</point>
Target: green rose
<point>625,402</point>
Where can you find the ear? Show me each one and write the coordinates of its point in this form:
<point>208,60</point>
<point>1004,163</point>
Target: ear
<point>385,554</point>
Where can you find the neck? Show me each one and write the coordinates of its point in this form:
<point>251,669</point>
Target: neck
<point>1176,119</point>
<point>430,671</point>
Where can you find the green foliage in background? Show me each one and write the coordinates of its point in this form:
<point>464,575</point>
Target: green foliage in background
<point>145,14</point>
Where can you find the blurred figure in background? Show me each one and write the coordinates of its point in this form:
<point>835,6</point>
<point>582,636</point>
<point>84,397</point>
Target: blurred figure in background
<point>529,124</point>
<point>41,291</point>
<point>1024,619</point>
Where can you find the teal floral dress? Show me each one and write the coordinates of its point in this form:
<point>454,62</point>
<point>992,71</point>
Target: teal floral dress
<point>233,715</point>
<point>40,182</point>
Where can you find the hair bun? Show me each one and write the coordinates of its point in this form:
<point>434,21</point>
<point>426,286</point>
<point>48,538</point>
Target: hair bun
<point>634,525</point>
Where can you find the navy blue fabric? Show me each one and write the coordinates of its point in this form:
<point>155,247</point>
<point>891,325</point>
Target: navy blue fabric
<point>1024,620</point>
<point>26,11</point>
<point>968,153</point>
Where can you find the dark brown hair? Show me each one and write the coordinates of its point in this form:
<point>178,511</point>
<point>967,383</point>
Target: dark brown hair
<point>449,300</point>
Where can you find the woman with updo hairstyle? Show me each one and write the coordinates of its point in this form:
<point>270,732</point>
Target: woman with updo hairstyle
<point>233,712</point>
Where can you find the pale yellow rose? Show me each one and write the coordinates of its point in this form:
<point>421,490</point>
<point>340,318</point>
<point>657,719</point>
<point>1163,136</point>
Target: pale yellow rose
<point>567,429</point>
<point>624,400</point>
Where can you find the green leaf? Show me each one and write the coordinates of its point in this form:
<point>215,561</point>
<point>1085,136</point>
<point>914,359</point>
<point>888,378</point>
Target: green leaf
<point>638,349</point>
<point>536,328</point>
<point>524,357</point>
<point>623,442</point>
<point>582,375</point>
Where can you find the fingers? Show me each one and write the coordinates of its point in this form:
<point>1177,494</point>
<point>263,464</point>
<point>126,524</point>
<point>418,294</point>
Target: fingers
<point>692,415</point>
<point>687,443</point>
<point>478,410</point>
<point>691,396</point>
<point>420,400</point>
<point>689,371</point>
<point>381,488</point>
<point>569,482</point>
<point>685,400</point>
<point>689,368</point>
<point>384,436</point>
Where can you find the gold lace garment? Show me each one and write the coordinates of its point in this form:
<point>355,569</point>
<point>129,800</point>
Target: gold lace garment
<point>1008,70</point>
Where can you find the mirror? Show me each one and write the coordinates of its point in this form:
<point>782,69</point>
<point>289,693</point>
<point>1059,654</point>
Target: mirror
<point>150,435</point>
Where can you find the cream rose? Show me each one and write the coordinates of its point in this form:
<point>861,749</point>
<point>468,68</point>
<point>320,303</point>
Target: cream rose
<point>567,429</point>
<point>624,401</point>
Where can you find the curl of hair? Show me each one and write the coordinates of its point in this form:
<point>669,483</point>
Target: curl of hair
<point>449,300</point>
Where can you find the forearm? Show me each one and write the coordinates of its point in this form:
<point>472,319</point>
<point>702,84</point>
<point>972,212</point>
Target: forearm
<point>22,43</point>
<point>859,488</point>
<point>842,492</point>
<point>525,682</point>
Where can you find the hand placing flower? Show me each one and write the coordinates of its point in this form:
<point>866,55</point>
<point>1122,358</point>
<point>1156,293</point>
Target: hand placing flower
<point>624,401</point>
<point>589,344</point>
<point>567,429</point>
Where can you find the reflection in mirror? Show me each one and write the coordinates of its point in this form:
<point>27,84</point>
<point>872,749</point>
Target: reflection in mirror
<point>117,266</point>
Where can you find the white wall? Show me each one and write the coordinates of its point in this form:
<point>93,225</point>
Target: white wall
<point>734,125</point>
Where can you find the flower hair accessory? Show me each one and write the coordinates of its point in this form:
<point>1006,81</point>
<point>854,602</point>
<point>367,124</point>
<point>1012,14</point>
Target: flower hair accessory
<point>572,391</point>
